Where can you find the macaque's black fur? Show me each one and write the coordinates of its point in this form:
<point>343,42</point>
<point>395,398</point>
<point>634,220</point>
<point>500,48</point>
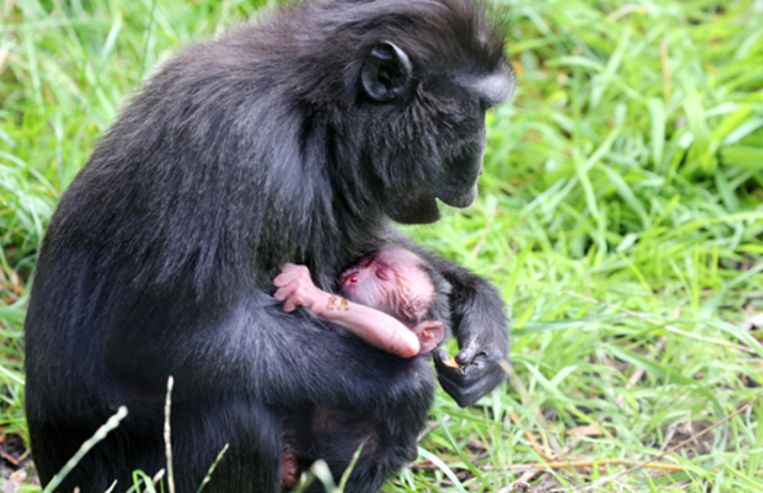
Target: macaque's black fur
<point>238,156</point>
<point>439,309</point>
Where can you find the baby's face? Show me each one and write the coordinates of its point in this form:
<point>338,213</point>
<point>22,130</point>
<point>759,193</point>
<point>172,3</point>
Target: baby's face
<point>393,281</point>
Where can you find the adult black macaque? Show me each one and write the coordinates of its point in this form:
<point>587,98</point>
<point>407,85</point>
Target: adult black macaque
<point>293,140</point>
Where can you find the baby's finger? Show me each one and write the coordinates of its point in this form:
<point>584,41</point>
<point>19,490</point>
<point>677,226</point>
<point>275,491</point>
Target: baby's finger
<point>289,267</point>
<point>291,304</point>
<point>286,277</point>
<point>283,293</point>
<point>280,280</point>
<point>291,273</point>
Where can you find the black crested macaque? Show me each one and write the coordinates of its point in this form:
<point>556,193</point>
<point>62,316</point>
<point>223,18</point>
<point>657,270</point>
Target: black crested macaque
<point>296,139</point>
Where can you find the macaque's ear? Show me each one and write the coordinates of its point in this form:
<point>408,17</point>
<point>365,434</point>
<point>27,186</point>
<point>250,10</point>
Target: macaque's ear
<point>386,74</point>
<point>430,334</point>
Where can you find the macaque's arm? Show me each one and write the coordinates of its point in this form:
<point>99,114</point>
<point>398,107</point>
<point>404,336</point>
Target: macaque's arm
<point>296,288</point>
<point>479,323</point>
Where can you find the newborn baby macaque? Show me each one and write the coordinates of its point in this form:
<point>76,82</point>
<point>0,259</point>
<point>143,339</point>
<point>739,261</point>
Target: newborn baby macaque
<point>391,300</point>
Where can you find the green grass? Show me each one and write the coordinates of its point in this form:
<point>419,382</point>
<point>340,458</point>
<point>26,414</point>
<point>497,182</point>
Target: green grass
<point>620,216</point>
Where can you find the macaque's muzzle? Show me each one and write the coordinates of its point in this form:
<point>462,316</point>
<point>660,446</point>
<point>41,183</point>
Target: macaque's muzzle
<point>461,196</point>
<point>459,186</point>
<point>461,201</point>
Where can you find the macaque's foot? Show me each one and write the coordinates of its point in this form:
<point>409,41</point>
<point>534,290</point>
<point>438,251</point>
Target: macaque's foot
<point>289,467</point>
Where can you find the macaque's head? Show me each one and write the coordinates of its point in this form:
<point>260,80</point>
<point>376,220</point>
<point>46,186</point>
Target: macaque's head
<point>399,283</point>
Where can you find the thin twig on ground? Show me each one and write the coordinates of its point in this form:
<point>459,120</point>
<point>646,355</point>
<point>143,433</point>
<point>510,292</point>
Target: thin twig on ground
<point>543,453</point>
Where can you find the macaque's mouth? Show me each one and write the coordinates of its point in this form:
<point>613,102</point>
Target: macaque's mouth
<point>458,184</point>
<point>460,201</point>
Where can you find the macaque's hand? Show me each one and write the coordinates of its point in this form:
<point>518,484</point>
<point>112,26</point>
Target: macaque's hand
<point>480,326</point>
<point>469,376</point>
<point>296,288</point>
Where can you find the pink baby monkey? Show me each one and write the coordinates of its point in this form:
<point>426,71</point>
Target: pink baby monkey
<point>389,301</point>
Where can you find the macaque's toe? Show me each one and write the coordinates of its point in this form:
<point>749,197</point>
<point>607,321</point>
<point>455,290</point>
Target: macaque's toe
<point>289,470</point>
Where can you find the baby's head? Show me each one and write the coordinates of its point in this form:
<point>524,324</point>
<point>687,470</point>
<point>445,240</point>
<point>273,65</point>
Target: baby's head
<point>401,284</point>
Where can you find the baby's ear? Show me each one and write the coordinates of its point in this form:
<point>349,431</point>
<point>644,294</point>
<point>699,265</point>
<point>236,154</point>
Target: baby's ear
<point>430,334</point>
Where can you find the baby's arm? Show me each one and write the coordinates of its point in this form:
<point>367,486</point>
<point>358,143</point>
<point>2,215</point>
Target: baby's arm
<point>296,288</point>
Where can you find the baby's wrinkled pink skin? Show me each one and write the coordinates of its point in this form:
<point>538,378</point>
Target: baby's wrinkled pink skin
<point>370,284</point>
<point>371,280</point>
<point>383,288</point>
<point>296,288</point>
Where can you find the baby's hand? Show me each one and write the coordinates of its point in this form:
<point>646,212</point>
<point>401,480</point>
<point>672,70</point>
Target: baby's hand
<point>296,288</point>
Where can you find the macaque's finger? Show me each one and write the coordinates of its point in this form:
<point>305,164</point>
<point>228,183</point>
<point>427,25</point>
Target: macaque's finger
<point>279,280</point>
<point>293,269</point>
<point>449,361</point>
<point>464,396</point>
<point>461,374</point>
<point>452,374</point>
<point>285,292</point>
<point>442,358</point>
<point>298,269</point>
<point>286,277</point>
<point>469,353</point>
<point>468,383</point>
<point>291,273</point>
<point>292,303</point>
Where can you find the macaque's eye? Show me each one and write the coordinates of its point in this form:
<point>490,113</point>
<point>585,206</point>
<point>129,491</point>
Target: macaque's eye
<point>382,272</point>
